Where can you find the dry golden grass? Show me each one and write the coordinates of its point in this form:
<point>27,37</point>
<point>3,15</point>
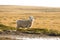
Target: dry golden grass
<point>43,19</point>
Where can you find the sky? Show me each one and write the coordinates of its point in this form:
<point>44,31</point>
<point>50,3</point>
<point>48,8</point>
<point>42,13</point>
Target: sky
<point>46,3</point>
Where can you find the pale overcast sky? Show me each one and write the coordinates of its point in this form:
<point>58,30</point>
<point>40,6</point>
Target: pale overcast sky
<point>48,3</point>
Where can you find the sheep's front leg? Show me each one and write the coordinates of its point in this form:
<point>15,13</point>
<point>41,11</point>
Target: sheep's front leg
<point>28,25</point>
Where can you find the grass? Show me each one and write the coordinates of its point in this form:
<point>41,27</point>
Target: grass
<point>43,20</point>
<point>4,27</point>
<point>40,31</point>
<point>50,20</point>
<point>32,30</point>
<point>13,22</point>
<point>5,38</point>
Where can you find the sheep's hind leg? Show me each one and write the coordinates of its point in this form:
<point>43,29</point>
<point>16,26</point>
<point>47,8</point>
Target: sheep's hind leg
<point>17,28</point>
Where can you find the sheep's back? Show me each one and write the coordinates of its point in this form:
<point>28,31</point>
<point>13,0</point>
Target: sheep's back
<point>23,23</point>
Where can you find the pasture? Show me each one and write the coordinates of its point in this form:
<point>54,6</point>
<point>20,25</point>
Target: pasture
<point>44,18</point>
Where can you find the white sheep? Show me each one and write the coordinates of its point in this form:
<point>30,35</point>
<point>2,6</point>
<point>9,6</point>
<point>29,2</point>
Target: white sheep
<point>25,23</point>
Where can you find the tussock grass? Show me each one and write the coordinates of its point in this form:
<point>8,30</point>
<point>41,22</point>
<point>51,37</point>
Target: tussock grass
<point>32,30</point>
<point>4,27</point>
<point>40,31</point>
<point>6,38</point>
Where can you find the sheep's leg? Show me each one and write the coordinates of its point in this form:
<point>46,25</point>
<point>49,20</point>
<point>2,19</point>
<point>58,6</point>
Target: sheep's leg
<point>28,25</point>
<point>17,27</point>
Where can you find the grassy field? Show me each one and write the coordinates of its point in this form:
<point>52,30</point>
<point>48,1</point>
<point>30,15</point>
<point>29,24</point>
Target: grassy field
<point>45,17</point>
<point>5,38</point>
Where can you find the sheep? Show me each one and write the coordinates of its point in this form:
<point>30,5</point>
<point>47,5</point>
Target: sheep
<point>25,23</point>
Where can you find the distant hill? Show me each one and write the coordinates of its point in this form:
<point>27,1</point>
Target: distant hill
<point>29,9</point>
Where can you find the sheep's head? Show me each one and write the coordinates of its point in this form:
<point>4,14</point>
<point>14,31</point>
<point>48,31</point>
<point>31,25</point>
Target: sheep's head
<point>31,18</point>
